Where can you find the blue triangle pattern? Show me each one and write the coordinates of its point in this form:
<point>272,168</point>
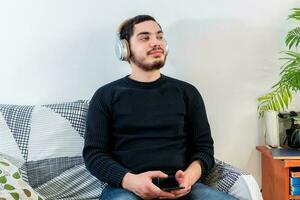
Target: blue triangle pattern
<point>18,119</point>
<point>75,112</point>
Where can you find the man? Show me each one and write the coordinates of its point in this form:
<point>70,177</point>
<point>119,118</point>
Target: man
<point>147,125</point>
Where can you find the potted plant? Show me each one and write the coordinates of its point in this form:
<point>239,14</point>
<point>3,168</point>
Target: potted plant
<point>280,95</point>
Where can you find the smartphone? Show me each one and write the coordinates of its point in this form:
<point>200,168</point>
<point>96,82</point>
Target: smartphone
<point>167,184</point>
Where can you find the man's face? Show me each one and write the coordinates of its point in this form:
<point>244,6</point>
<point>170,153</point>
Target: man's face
<point>148,48</point>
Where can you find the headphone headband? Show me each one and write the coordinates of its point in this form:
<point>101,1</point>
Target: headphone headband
<point>119,29</point>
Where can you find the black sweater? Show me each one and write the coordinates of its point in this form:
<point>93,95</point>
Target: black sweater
<point>137,127</point>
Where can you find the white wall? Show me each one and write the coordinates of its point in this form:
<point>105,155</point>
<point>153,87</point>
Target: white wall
<point>60,50</point>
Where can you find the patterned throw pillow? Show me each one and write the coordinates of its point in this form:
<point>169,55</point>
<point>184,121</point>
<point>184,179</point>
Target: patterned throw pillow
<point>46,139</point>
<point>12,185</point>
<point>46,142</point>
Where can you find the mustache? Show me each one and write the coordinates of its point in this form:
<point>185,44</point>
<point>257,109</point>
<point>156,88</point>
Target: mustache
<point>156,49</point>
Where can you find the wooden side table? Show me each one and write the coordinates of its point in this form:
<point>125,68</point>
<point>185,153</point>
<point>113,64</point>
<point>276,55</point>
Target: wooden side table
<point>276,176</point>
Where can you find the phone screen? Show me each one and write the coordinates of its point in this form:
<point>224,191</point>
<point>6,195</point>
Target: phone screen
<point>167,184</point>
<point>172,188</point>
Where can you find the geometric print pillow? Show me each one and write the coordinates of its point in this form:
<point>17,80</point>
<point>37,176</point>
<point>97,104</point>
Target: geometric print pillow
<point>223,176</point>
<point>46,142</point>
<point>47,139</point>
<point>236,182</point>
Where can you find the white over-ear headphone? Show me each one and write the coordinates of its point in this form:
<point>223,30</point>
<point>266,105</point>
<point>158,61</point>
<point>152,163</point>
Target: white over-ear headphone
<point>122,49</point>
<point>122,46</point>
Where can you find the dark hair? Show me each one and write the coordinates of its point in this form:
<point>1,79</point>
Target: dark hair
<point>126,30</point>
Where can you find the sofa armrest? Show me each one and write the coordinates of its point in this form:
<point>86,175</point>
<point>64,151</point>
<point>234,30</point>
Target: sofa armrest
<point>234,181</point>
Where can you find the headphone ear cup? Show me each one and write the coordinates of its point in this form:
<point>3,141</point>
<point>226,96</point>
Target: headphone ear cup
<point>167,47</point>
<point>126,50</point>
<point>122,49</point>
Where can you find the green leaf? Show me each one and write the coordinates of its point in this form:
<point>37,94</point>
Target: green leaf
<point>280,101</point>
<point>295,14</point>
<point>9,187</point>
<point>15,195</point>
<point>3,179</point>
<point>285,100</point>
<point>297,42</point>
<point>263,98</point>
<point>4,163</point>
<point>2,198</point>
<point>292,54</point>
<point>273,105</point>
<point>296,17</point>
<point>277,100</point>
<point>292,38</point>
<point>286,97</point>
<point>40,198</point>
<point>27,192</point>
<point>16,175</point>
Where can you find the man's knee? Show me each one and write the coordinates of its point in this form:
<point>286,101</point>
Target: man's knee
<point>201,191</point>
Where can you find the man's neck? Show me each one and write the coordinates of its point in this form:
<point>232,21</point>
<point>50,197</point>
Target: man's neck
<point>140,75</point>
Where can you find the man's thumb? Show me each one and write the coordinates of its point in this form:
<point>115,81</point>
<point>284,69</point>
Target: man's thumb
<point>157,174</point>
<point>179,176</point>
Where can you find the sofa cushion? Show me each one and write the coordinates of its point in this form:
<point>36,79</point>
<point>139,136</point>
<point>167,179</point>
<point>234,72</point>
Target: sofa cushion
<point>47,140</point>
<point>74,184</point>
<point>42,171</point>
<point>14,131</point>
<point>234,181</point>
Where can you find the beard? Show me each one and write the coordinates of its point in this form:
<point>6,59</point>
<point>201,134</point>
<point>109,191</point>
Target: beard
<point>158,64</point>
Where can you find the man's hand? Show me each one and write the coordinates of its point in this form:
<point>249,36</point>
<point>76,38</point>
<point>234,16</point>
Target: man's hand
<point>186,179</point>
<point>141,185</point>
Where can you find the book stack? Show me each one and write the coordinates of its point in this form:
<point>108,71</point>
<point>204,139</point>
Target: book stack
<point>285,153</point>
<point>295,181</point>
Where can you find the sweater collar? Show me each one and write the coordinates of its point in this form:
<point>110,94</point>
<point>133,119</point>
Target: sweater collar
<point>151,84</point>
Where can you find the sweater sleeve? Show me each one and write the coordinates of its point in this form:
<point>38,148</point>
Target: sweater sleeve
<point>199,136</point>
<point>98,143</point>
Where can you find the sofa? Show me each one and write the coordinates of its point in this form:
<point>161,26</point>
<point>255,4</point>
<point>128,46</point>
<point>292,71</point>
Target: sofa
<point>41,146</point>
